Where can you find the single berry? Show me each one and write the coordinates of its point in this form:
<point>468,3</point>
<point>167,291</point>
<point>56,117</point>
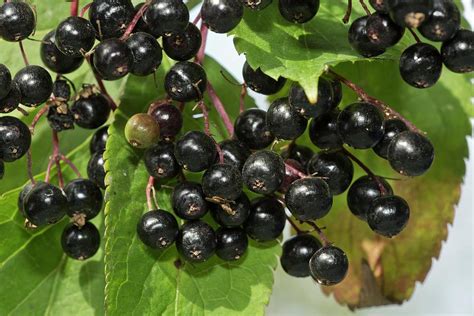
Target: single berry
<point>329,265</point>
<point>84,198</point>
<point>15,138</point>
<point>160,161</point>
<point>5,81</point>
<point>458,52</point>
<point>54,59</point>
<point>91,110</point>
<point>360,40</point>
<point>363,192</point>
<point>378,5</point>
<point>421,65</point>
<point>184,45</point>
<point>222,182</point>
<point>169,118</point>
<point>146,54</point>
<point>335,168</point>
<point>300,153</point>
<point>410,154</point>
<point>195,151</point>
<point>263,172</point>
<point>256,4</point>
<point>300,11</point>
<point>284,122</point>
<point>323,131</point>
<point>112,59</point>
<point>75,36</point>
<point>80,243</point>
<point>99,140</point>
<point>231,214</point>
<point>308,199</point>
<point>297,251</point>
<point>188,201</point>
<point>17,21</point>
<point>23,194</point>
<point>196,241</point>
<point>409,13</point>
<point>45,204</point>
<point>222,16</point>
<point>110,18</point>
<point>266,220</point>
<point>142,131</point>
<point>382,31</point>
<point>336,91</point>
<point>35,85</point>
<point>360,125</point>
<point>11,101</point>
<point>231,243</point>
<point>392,128</point>
<point>157,229</point>
<point>251,129</point>
<point>96,169</point>
<point>259,82</point>
<point>388,215</point>
<point>186,81</point>
<point>443,23</point>
<point>60,118</point>
<point>235,153</point>
<point>326,101</point>
<point>166,16</point>
<point>292,170</point>
<point>61,90</point>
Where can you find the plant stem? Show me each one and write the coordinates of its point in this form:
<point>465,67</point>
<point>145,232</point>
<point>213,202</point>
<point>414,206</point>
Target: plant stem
<point>321,234</point>
<point>220,109</point>
<point>56,159</point>
<point>347,16</point>
<point>29,166</point>
<point>134,22</point>
<point>71,165</point>
<point>364,6</point>
<point>197,18</point>
<point>295,171</point>
<point>207,130</point>
<point>151,182</point>
<point>295,227</point>
<point>202,50</point>
<point>37,117</point>
<point>85,8</point>
<point>23,53</point>
<point>102,87</point>
<point>415,36</point>
<point>243,94</point>
<point>74,7</point>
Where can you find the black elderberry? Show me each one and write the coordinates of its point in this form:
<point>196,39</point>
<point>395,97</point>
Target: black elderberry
<point>146,54</point>
<point>388,215</point>
<point>166,16</point>
<point>458,52</point>
<point>360,40</point>
<point>443,23</point>
<point>112,59</point>
<point>266,220</point>
<point>409,13</point>
<point>5,81</point>
<point>392,128</point>
<point>329,265</point>
<point>22,196</point>
<point>45,204</point>
<point>300,11</point>
<point>54,59</point>
<point>326,99</point>
<point>382,31</point>
<point>61,90</point>
<point>336,91</point>
<point>91,109</point>
<point>15,138</point>
<point>256,4</point>
<point>309,199</point>
<point>169,118</point>
<point>75,36</point>
<point>297,251</point>
<point>335,168</point>
<point>421,65</point>
<point>251,129</point>
<point>222,16</point>
<point>259,82</point>
<point>84,198</point>
<point>186,81</point>
<point>35,85</point>
<point>80,243</point>
<point>300,153</point>
<point>188,201</point>
<point>290,174</point>
<point>235,153</point>
<point>157,229</point>
<point>284,122</point>
<point>17,21</point>
<point>11,101</point>
<point>160,161</point>
<point>231,243</point>
<point>96,169</point>
<point>183,46</point>
<point>99,140</point>
<point>196,241</point>
<point>142,131</point>
<point>323,131</point>
<point>263,172</point>
<point>231,214</point>
<point>195,151</point>
<point>59,116</point>
<point>222,182</point>
<point>111,18</point>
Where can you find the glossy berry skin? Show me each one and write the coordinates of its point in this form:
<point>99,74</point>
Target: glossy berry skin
<point>183,46</point>
<point>112,59</point>
<point>360,41</point>
<point>222,181</point>
<point>300,11</point>
<point>222,16</point>
<point>54,59</point>
<point>157,229</point>
<point>363,192</point>
<point>329,265</point>
<point>111,18</point>
<point>17,21</point>
<point>35,85</point>
<point>309,199</point>
<point>336,169</point>
<point>169,118</point>
<point>75,36</point>
<point>84,198</point>
<point>251,129</point>
<point>15,138</point>
<point>421,65</point>
<point>231,214</point>
<point>266,220</point>
<point>388,215</point>
<point>95,169</point>
<point>23,194</point>
<point>80,243</point>
<point>141,24</point>
<point>99,140</point>
<point>142,131</point>
<point>195,151</point>
<point>160,161</point>
<point>299,101</point>
<point>284,121</point>
<point>382,31</point>
<point>261,83</point>
<point>410,154</point>
<point>45,204</point>
<point>378,5</point>
<point>290,174</point>
<point>458,52</point>
<point>231,243</point>
<point>392,128</point>
<point>297,251</point>
<point>188,201</point>
<point>323,131</point>
<point>61,90</point>
<point>235,153</point>
<point>196,241</point>
<point>300,153</point>
<point>263,172</point>
<point>166,16</point>
<point>186,81</point>
<point>91,110</point>
<point>361,125</point>
<point>409,13</point>
<point>11,101</point>
<point>146,54</point>
<point>443,23</point>
<point>256,4</point>
<point>5,81</point>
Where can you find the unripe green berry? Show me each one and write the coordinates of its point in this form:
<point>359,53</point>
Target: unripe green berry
<point>142,131</point>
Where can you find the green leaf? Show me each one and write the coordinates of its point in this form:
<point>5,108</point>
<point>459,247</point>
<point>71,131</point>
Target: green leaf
<point>142,281</point>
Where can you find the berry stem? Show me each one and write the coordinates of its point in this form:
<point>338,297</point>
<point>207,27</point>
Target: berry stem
<point>56,158</point>
<point>37,117</point>
<point>48,169</point>
<point>29,166</point>
<point>320,232</point>
<point>207,129</point>
<point>295,171</point>
<point>347,16</point>
<point>243,94</point>
<point>202,50</point>
<point>101,85</point>
<point>197,18</point>
<point>149,186</point>
<point>23,53</point>
<point>387,111</point>
<point>71,165</point>
<point>295,227</point>
<point>85,9</point>
<point>74,7</point>
<point>135,20</point>
<point>415,36</point>
<point>364,6</point>
<point>220,108</point>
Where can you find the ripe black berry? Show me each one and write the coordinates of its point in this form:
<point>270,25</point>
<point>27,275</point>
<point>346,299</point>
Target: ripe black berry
<point>59,116</point>
<point>222,181</point>
<point>84,198</point>
<point>35,85</point>
<point>360,41</point>
<point>300,153</point>
<point>112,59</point>
<point>11,101</point>
<point>392,128</point>
<point>96,170</point>
<point>378,5</point>
<point>382,31</point>
<point>61,90</point>
<point>284,121</point>
<point>360,125</point>
<point>231,214</point>
<point>300,11</point>
<point>75,36</point>
<point>17,21</point>
<point>54,60</point>
<point>335,168</point>
<point>363,192</point>
<point>410,153</point>
<point>308,199</point>
<point>266,220</point>
<point>146,54</point>
<point>99,140</point>
<point>458,52</point>
<point>222,16</point>
<point>80,243</point>
<point>443,22</point>
<point>142,131</point>
<point>157,229</point>
<point>5,81</point>
<point>160,161</point>
<point>259,82</point>
<point>231,243</point>
<point>45,204</point>
<point>91,110</point>
<point>328,265</point>
<point>23,194</point>
<point>263,172</point>
<point>169,118</point>
<point>409,13</point>
<point>256,4</point>
<point>15,138</point>
<point>196,241</point>
<point>186,81</point>
<point>421,65</point>
<point>188,201</point>
<point>388,215</point>
<point>235,153</point>
<point>183,46</point>
<point>323,131</point>
<point>166,16</point>
<point>326,101</point>
<point>297,251</point>
<point>251,129</point>
<point>195,151</point>
<point>111,18</point>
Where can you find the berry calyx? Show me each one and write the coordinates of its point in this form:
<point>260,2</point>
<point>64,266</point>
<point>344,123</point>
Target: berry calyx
<point>409,13</point>
<point>231,214</point>
<point>196,241</point>
<point>188,201</point>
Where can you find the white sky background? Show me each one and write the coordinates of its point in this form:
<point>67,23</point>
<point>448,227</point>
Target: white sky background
<point>448,288</point>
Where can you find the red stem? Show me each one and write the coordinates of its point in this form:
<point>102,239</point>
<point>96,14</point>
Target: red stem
<point>71,165</point>
<point>74,7</point>
<point>347,16</point>
<point>321,234</point>
<point>23,53</point>
<point>295,171</point>
<point>197,18</point>
<point>37,117</point>
<point>243,94</point>
<point>220,109</point>
<point>202,51</point>
<point>29,165</point>
<point>207,129</point>
<point>151,182</point>
<point>56,158</point>
<point>85,8</point>
<point>101,85</point>
<point>134,22</point>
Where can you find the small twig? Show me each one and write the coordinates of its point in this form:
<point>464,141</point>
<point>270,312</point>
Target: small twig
<point>197,18</point>
<point>202,50</point>
<point>347,16</point>
<point>321,234</point>
<point>134,22</point>
<point>295,227</point>
<point>151,182</point>
<point>85,8</point>
<point>207,130</point>
<point>23,53</point>
<point>74,7</point>
<point>48,169</point>
<point>71,165</point>
<point>295,171</point>
<point>29,166</point>
<point>37,117</point>
<point>22,111</point>
<point>364,6</point>
<point>219,106</point>
<point>415,36</point>
<point>56,159</point>
<point>243,94</point>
